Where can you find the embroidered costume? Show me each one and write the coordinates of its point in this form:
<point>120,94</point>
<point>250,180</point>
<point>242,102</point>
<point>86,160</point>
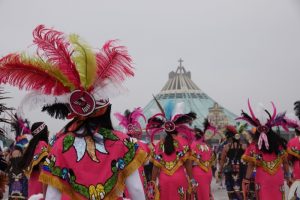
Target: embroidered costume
<point>18,182</point>
<point>231,163</point>
<point>130,122</point>
<point>293,149</point>
<point>172,177</point>
<point>267,154</point>
<point>203,158</point>
<point>108,166</point>
<point>88,160</point>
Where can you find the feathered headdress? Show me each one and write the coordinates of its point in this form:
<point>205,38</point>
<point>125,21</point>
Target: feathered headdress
<point>297,109</point>
<point>206,127</point>
<point>22,130</point>
<point>263,129</point>
<point>3,109</point>
<point>168,122</point>
<point>130,121</point>
<point>66,76</point>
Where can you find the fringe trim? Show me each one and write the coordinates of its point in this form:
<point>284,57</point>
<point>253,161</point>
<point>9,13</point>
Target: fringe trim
<point>28,171</point>
<point>293,153</point>
<point>201,164</point>
<point>138,161</point>
<point>174,169</point>
<point>266,169</point>
<point>56,182</point>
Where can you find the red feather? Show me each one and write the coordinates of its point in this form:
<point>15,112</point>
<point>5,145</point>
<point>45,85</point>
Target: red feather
<point>27,76</point>
<point>53,46</point>
<point>113,62</point>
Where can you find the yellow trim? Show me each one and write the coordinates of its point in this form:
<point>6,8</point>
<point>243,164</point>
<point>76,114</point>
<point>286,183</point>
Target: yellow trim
<point>174,168</point>
<point>33,163</point>
<point>138,161</point>
<point>204,165</point>
<point>249,159</point>
<point>291,152</point>
<point>56,182</point>
<point>270,170</point>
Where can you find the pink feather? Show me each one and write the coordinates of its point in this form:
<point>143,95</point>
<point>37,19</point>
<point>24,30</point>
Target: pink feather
<point>136,114</point>
<point>251,111</point>
<point>123,121</point>
<point>53,46</point>
<point>113,62</point>
<point>29,77</point>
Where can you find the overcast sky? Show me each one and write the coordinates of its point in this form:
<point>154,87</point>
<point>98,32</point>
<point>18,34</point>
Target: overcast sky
<point>235,49</point>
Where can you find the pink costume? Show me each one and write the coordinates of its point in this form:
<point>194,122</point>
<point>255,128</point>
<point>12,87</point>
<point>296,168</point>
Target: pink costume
<point>33,171</point>
<point>269,178</point>
<point>73,164</point>
<point>202,157</point>
<point>173,183</point>
<point>294,151</point>
<point>130,121</point>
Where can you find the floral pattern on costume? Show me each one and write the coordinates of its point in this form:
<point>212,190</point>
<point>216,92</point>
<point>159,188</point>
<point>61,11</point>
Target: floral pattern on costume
<point>182,153</point>
<point>66,177</point>
<point>256,157</point>
<point>40,152</point>
<point>197,157</point>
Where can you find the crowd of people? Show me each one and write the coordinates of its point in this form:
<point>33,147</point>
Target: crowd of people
<point>89,159</point>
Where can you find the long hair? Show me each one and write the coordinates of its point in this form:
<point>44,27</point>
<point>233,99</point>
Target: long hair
<point>169,143</point>
<point>92,123</point>
<point>198,133</point>
<point>276,142</point>
<point>42,136</point>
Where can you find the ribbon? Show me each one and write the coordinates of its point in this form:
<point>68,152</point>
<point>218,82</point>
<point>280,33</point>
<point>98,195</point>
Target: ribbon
<point>263,139</point>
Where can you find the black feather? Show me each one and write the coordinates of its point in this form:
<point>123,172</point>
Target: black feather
<point>57,110</point>
<point>206,125</point>
<point>297,109</point>
<point>155,122</point>
<point>159,106</point>
<point>186,118</point>
<point>249,119</point>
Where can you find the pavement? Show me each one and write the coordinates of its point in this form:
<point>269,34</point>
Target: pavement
<point>219,192</point>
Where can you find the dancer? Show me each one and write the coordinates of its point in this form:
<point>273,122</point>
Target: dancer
<point>34,156</point>
<point>170,158</point>
<point>130,122</point>
<point>202,157</point>
<point>18,182</point>
<point>231,163</point>
<point>294,156</point>
<point>89,159</point>
<point>268,155</point>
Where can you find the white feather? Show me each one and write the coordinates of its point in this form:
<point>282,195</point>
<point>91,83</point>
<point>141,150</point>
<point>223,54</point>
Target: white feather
<point>36,99</point>
<point>179,108</point>
<point>108,89</point>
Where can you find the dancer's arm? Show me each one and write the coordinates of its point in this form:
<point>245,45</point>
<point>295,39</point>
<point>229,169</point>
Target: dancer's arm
<point>223,158</point>
<point>52,193</point>
<point>189,168</point>
<point>155,173</point>
<point>135,186</point>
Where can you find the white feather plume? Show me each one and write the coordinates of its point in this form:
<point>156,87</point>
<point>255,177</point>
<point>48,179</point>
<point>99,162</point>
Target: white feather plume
<point>38,100</point>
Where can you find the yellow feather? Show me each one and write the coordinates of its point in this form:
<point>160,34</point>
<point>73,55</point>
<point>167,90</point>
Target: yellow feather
<point>49,68</point>
<point>85,61</point>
